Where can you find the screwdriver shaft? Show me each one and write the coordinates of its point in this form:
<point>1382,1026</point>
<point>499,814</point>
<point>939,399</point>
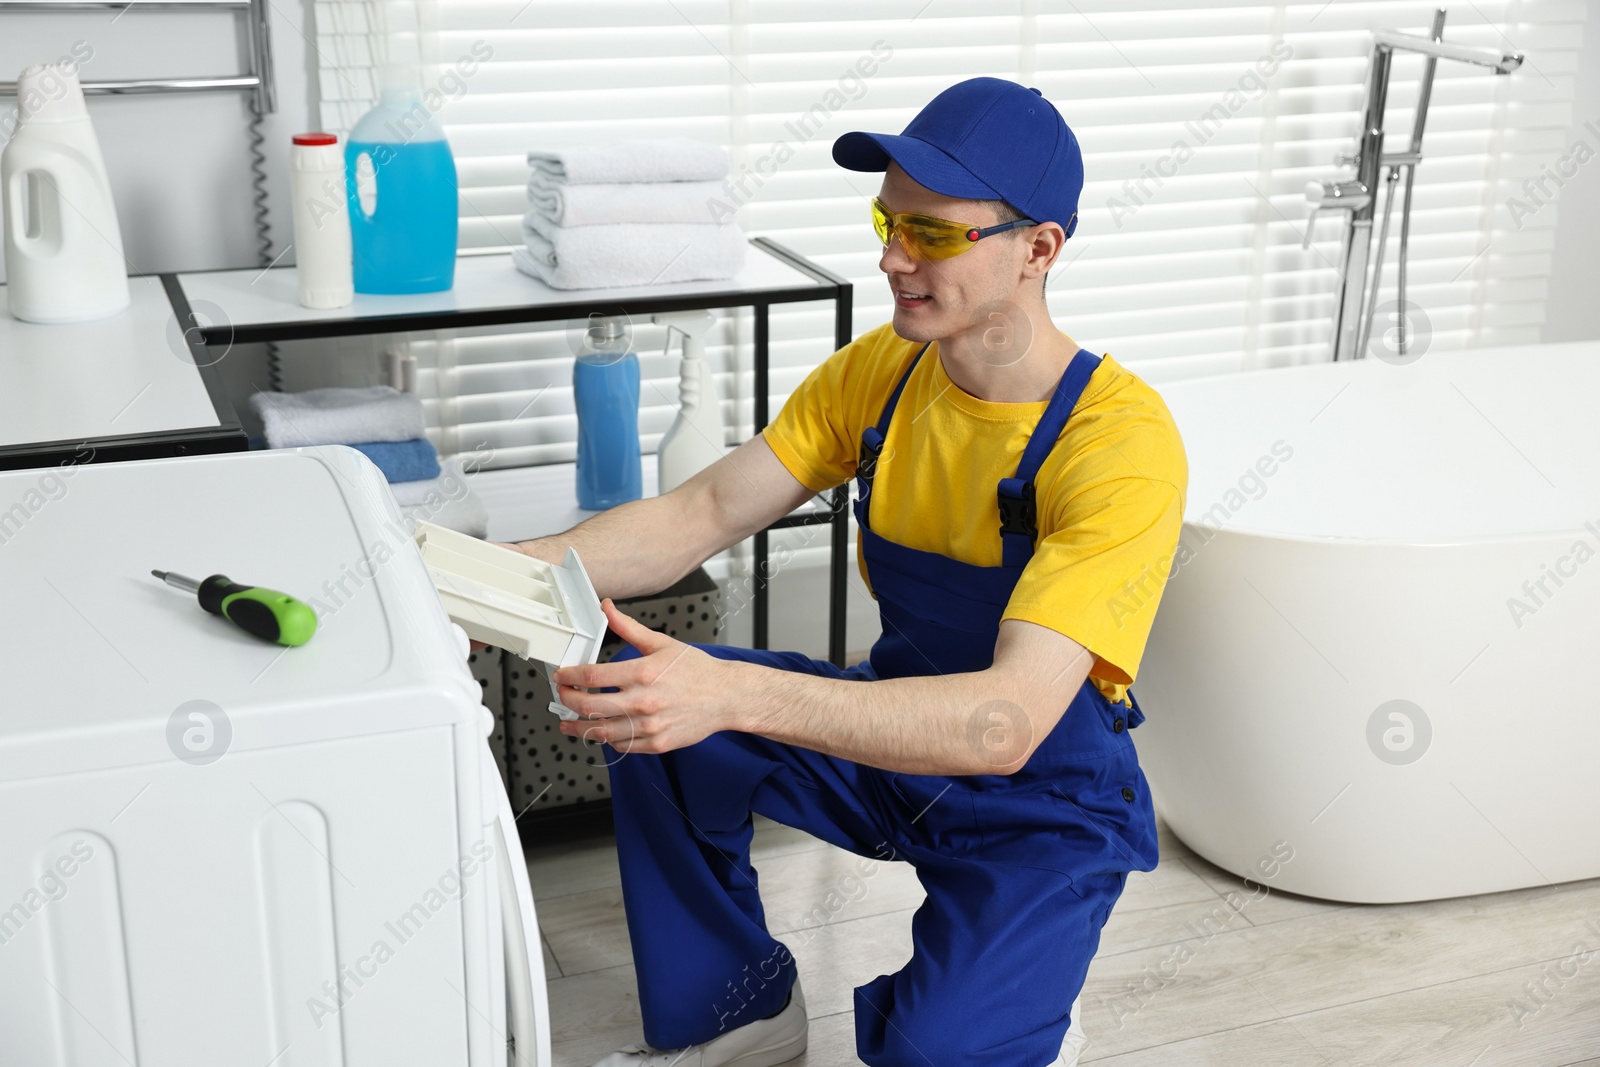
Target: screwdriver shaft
<point>188,585</point>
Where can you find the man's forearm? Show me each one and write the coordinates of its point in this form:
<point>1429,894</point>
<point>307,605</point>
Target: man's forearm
<point>636,548</point>
<point>941,724</point>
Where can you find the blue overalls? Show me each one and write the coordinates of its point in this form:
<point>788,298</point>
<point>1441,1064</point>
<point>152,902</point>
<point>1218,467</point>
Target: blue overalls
<point>1021,870</point>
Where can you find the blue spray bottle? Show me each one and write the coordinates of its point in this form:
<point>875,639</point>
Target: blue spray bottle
<point>401,179</point>
<point>605,392</point>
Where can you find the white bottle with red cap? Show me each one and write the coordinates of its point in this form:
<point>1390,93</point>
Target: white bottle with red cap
<point>321,221</point>
<point>63,249</point>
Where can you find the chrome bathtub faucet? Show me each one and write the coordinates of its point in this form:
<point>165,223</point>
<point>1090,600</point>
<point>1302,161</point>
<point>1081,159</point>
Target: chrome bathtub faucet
<point>1352,319</point>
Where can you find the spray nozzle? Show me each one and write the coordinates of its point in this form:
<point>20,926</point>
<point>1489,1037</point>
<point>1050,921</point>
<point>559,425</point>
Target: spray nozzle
<point>688,323</point>
<point>694,325</point>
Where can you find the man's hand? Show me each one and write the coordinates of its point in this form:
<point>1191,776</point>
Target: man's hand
<point>671,696</point>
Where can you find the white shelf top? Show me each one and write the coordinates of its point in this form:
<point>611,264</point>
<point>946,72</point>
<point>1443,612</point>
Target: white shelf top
<point>528,502</point>
<point>536,501</point>
<point>261,298</point>
<point>125,374</point>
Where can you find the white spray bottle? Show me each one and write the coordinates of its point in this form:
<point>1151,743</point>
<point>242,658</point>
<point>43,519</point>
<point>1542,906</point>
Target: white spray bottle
<point>695,439</point>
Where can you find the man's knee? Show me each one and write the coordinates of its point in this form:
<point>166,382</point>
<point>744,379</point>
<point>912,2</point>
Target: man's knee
<point>940,1024</point>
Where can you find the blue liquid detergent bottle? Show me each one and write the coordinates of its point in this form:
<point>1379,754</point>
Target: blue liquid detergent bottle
<point>401,180</point>
<point>605,391</point>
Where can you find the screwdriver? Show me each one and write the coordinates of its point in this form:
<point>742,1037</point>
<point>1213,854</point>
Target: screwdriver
<point>266,613</point>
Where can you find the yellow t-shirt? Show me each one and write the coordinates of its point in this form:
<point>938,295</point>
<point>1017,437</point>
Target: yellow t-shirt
<point>1110,493</point>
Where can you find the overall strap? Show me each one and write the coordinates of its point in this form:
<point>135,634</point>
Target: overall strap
<point>1019,514</point>
<point>872,437</point>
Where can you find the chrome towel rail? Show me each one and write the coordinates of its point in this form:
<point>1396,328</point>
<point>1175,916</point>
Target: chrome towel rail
<point>256,81</point>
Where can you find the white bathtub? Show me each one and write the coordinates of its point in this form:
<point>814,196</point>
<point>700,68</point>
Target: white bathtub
<point>1405,508</point>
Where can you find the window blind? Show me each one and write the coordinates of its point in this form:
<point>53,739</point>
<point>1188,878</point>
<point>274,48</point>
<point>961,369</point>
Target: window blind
<point>1200,124</point>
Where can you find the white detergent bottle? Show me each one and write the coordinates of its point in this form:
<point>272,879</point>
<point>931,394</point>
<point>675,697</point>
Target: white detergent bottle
<point>63,247</point>
<point>695,439</point>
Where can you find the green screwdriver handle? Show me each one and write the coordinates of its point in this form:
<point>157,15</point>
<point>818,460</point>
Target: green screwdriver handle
<point>266,613</point>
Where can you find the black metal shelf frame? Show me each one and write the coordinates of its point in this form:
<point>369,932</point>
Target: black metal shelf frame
<point>831,286</point>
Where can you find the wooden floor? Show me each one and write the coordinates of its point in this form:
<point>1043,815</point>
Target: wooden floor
<point>1181,977</point>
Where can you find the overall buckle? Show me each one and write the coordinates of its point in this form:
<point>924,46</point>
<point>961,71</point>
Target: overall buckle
<point>1019,513</point>
<point>867,460</point>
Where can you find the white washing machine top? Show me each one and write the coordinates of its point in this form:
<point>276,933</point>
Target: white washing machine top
<point>98,656</point>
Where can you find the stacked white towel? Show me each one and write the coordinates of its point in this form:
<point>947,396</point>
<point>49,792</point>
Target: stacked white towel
<point>608,202</point>
<point>648,159</point>
<point>629,212</point>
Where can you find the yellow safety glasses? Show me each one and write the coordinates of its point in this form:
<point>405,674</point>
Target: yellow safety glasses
<point>925,237</point>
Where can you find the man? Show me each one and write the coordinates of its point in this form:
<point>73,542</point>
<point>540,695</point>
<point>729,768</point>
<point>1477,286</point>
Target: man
<point>1013,551</point>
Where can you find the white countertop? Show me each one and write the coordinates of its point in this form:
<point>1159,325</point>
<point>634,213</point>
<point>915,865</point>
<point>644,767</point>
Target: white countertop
<point>128,373</point>
<point>257,297</point>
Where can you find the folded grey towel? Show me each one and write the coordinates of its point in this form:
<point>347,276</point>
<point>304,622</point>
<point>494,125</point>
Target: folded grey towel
<point>338,416</point>
<point>649,159</point>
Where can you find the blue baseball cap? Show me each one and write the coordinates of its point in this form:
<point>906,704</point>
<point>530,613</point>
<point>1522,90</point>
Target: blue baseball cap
<point>983,139</point>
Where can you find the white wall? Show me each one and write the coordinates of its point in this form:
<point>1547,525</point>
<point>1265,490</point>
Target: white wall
<point>1573,313</point>
<point>179,164</point>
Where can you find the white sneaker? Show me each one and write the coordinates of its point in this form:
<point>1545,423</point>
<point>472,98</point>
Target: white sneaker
<point>762,1043</point>
<point>1073,1043</point>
